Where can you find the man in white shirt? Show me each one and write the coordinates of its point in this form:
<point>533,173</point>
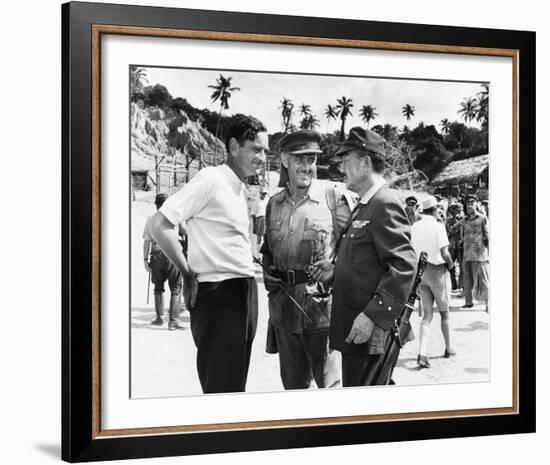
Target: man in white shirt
<point>220,290</point>
<point>430,236</point>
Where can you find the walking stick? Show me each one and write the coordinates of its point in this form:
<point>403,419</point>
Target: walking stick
<point>148,287</point>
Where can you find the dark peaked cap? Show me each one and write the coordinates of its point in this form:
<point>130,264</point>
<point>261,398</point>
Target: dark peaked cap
<point>364,140</point>
<point>300,142</point>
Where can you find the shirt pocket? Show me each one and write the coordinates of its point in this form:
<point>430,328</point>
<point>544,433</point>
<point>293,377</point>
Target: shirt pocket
<point>319,232</point>
<point>361,246</point>
<point>274,231</point>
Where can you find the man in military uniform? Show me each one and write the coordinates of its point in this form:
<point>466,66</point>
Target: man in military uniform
<point>375,262</point>
<point>162,270</point>
<point>302,222</point>
<point>456,247</point>
<point>475,261</point>
<point>411,209</point>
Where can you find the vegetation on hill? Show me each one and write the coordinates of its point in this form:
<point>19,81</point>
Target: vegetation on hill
<point>410,148</point>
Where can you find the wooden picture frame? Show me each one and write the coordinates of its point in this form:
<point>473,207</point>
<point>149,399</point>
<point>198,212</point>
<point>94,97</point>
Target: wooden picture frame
<point>83,26</point>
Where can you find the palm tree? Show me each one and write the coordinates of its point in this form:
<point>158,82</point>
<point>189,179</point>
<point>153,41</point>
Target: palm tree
<point>287,108</point>
<point>408,111</point>
<point>368,113</point>
<point>222,91</point>
<point>483,106</point>
<point>445,126</point>
<point>305,110</point>
<point>331,113</point>
<point>309,122</point>
<point>344,107</point>
<point>468,109</point>
<point>388,132</point>
<point>138,76</point>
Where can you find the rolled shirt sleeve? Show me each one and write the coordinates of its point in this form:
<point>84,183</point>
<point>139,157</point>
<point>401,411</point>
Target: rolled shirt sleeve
<point>146,233</point>
<point>189,200</point>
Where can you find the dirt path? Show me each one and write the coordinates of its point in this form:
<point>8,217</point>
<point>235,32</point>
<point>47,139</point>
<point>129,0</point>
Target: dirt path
<point>163,362</point>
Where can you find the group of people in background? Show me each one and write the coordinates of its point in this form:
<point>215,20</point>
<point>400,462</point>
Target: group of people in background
<point>458,259</point>
<point>338,262</point>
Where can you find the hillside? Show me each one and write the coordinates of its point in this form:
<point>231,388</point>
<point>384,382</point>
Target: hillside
<point>170,138</point>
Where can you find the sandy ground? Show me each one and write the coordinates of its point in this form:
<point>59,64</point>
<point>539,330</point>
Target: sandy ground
<point>163,362</point>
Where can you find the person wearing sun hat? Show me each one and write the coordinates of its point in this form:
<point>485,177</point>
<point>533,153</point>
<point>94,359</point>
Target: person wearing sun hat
<point>302,224</point>
<point>429,235</point>
<point>375,262</point>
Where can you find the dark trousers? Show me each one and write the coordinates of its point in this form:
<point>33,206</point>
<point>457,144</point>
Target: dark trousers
<point>223,324</point>
<point>306,357</point>
<point>162,270</point>
<point>358,370</point>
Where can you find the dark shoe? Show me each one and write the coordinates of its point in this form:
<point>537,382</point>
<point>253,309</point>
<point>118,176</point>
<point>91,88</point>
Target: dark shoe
<point>173,325</point>
<point>423,361</point>
<point>157,321</point>
<point>449,353</point>
<point>467,305</point>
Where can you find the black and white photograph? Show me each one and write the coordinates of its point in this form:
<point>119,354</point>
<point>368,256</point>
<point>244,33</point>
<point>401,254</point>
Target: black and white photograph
<point>293,231</point>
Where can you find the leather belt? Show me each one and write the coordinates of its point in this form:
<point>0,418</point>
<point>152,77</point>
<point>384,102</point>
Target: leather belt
<point>293,277</point>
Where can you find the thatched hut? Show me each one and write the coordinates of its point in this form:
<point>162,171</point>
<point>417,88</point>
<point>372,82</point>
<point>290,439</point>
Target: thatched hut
<point>141,170</point>
<point>463,176</point>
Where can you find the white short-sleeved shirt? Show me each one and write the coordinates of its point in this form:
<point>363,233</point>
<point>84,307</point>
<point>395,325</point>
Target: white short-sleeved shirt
<point>429,235</point>
<point>214,206</point>
<point>261,206</point>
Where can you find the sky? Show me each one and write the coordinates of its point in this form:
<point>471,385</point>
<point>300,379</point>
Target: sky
<point>261,94</point>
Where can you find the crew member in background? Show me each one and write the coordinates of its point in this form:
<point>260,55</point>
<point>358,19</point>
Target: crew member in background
<point>162,270</point>
<point>258,218</point>
<point>302,223</point>
<point>429,235</point>
<point>455,214</point>
<point>411,208</point>
<point>475,233</point>
<point>219,285</point>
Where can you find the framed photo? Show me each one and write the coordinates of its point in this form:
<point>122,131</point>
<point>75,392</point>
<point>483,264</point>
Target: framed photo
<point>150,99</point>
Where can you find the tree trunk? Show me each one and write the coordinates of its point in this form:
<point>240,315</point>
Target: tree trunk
<point>342,134</point>
<point>219,119</point>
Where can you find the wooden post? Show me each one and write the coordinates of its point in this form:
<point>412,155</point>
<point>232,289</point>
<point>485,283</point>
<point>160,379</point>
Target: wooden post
<point>157,179</point>
<point>174,167</point>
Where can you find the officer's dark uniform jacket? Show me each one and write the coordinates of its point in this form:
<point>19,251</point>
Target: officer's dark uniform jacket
<point>374,273</point>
